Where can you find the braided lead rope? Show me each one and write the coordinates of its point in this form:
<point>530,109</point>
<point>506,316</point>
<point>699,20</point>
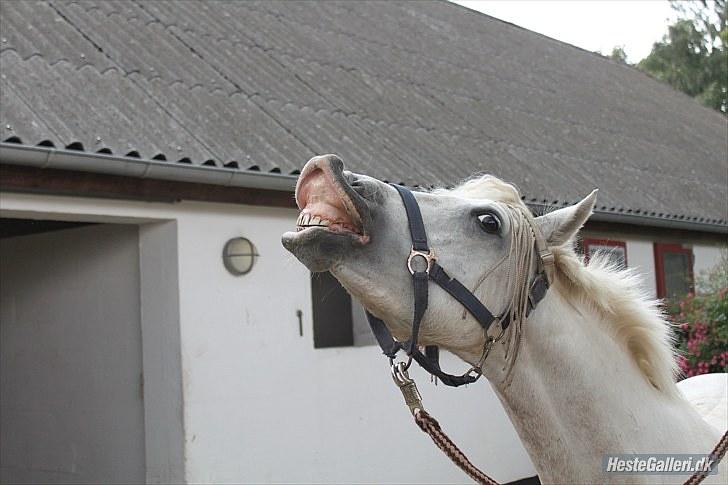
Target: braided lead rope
<point>717,454</point>
<point>429,425</point>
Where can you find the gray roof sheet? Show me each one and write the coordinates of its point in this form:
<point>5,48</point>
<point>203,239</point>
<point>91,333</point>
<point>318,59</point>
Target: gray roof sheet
<point>425,93</point>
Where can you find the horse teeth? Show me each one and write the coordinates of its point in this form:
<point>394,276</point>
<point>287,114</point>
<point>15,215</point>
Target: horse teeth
<point>306,219</point>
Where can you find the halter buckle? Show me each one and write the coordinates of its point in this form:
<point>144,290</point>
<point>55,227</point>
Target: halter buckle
<point>477,369</point>
<point>428,256</point>
<point>536,293</point>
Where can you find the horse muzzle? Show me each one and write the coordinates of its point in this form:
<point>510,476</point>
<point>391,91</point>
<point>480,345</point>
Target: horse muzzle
<point>335,216</point>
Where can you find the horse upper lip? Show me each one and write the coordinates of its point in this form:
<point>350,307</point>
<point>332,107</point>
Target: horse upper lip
<point>324,194</point>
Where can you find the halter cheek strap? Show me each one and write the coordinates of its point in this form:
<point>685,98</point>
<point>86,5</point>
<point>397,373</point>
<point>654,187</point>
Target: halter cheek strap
<point>423,266</point>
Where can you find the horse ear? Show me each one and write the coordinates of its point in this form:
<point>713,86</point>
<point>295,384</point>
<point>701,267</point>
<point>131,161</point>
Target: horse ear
<point>561,225</point>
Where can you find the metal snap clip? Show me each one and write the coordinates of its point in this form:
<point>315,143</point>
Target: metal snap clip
<point>411,395</point>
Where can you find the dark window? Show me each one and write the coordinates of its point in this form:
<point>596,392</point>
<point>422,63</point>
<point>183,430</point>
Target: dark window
<point>332,317</point>
<point>615,250</point>
<point>674,270</point>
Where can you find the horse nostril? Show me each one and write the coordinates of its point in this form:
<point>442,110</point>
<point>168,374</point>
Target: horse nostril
<point>335,163</point>
<point>351,178</point>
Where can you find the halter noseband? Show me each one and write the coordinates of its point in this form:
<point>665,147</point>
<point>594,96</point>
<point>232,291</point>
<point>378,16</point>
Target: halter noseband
<point>423,266</point>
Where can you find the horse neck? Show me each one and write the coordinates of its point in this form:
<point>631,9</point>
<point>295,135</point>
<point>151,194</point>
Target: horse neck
<point>575,395</point>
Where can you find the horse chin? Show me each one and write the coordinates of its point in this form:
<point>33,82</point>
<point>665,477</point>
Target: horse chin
<point>319,249</point>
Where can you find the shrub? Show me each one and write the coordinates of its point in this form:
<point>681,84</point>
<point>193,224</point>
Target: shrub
<point>702,323</point>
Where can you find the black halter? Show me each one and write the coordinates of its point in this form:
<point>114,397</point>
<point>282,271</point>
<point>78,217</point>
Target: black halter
<point>428,269</point>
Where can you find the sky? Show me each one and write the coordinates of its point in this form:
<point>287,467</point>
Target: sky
<point>594,25</point>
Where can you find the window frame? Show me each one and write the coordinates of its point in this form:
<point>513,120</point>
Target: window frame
<point>615,243</point>
<point>659,250</point>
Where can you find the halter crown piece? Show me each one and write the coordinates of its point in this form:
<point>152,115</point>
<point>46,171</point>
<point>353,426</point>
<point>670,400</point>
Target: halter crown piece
<point>422,264</point>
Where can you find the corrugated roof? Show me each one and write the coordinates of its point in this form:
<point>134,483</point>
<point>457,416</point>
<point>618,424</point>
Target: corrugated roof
<point>425,93</point>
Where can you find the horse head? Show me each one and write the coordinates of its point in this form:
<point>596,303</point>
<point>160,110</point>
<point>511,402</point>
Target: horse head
<point>356,227</point>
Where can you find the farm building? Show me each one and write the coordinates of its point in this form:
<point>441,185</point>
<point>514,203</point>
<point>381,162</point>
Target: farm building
<point>153,327</point>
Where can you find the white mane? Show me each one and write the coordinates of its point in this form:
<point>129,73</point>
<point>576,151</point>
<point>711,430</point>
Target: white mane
<point>635,320</point>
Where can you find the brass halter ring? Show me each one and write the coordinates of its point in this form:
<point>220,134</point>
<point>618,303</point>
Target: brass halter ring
<point>428,256</point>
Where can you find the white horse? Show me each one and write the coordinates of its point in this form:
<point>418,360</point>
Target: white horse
<point>589,373</point>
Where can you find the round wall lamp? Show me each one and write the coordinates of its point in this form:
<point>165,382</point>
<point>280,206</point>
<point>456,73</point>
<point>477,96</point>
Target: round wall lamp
<point>239,255</point>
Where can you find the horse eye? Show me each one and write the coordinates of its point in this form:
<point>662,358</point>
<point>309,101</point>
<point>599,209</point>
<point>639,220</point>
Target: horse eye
<point>490,223</point>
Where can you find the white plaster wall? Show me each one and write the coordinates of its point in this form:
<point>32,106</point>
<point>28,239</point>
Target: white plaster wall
<point>706,257</point>
<point>641,257</point>
<point>260,403</point>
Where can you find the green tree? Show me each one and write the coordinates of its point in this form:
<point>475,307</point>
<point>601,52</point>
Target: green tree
<point>693,57</point>
<point>618,54</point>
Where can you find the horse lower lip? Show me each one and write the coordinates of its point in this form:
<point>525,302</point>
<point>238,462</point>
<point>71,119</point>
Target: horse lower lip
<point>322,231</point>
